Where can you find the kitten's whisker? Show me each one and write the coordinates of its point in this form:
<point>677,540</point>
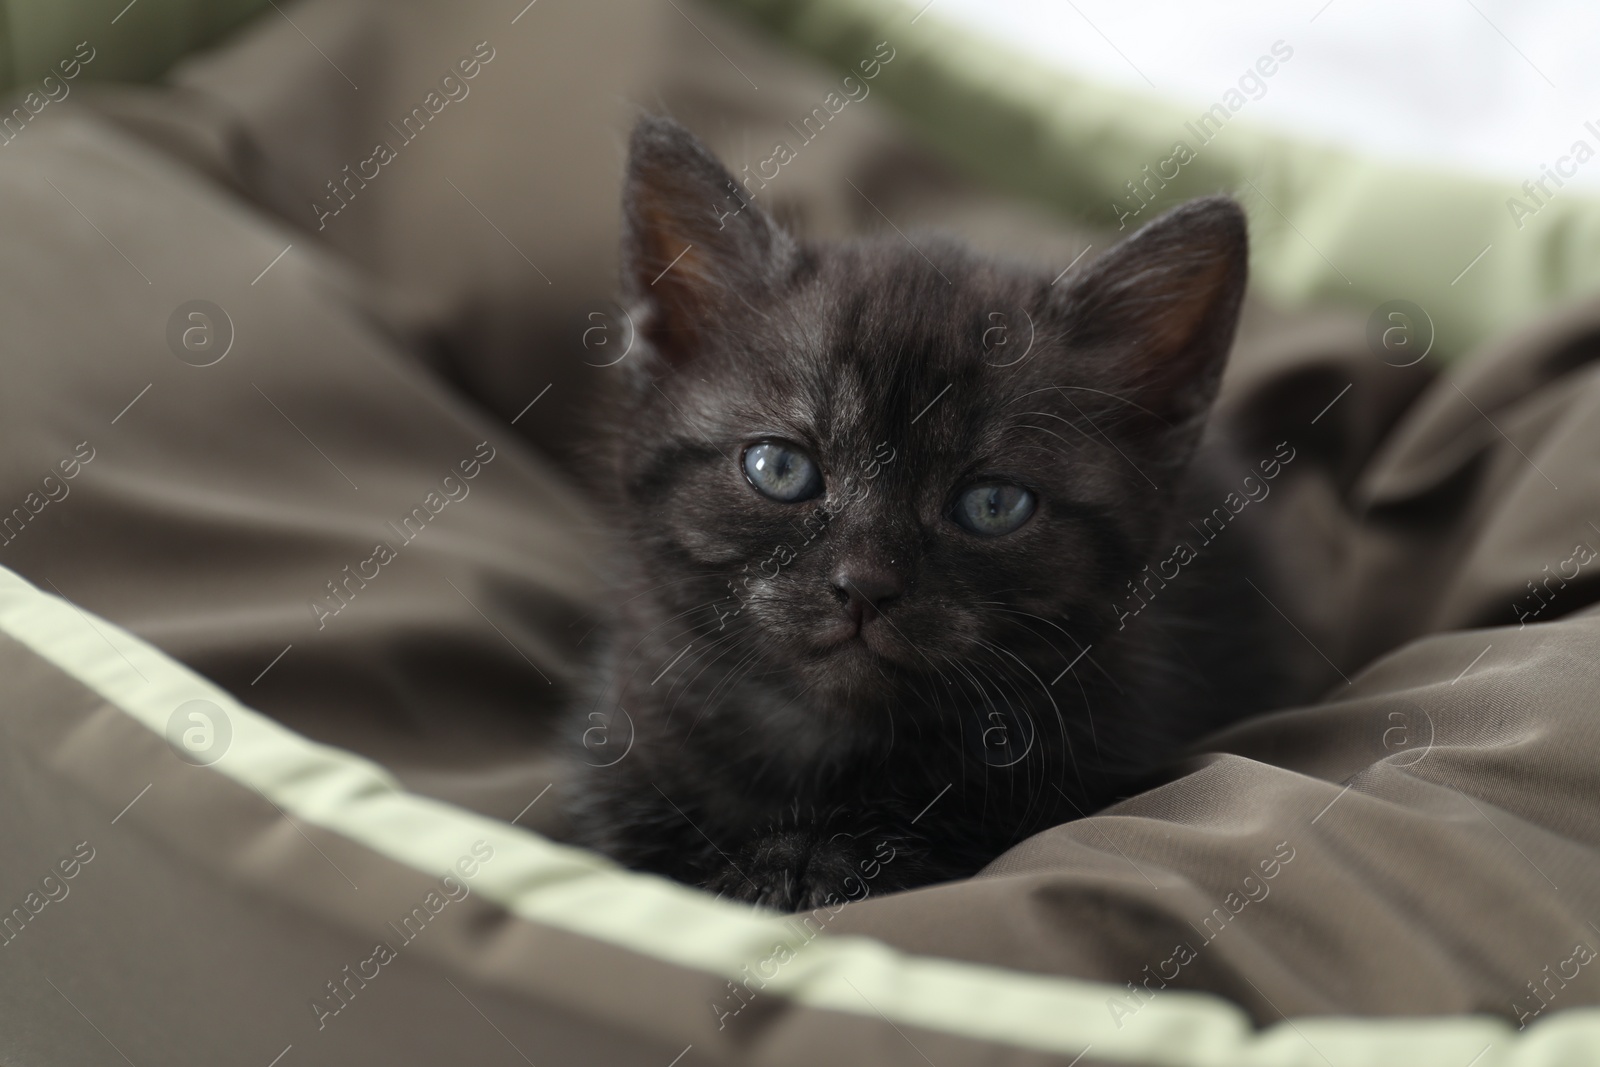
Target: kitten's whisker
<point>644,663</point>
<point>1021,705</point>
<point>933,664</point>
<point>675,581</point>
<point>615,611</point>
<point>1088,715</point>
<point>1098,430</point>
<point>1052,433</point>
<point>955,719</point>
<point>1082,651</point>
<point>1056,708</point>
<point>685,682</point>
<point>669,619</point>
<point>1087,389</point>
<point>736,674</point>
<point>1063,440</point>
<point>1061,418</point>
<point>977,676</point>
<point>1112,443</point>
<point>709,704</point>
<point>684,637</point>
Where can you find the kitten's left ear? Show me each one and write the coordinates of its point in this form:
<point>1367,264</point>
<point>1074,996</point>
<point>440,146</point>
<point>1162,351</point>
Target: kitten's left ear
<point>693,242</point>
<point>1163,305</point>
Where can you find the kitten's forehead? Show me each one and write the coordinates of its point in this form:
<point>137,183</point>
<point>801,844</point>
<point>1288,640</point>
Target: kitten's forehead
<point>905,352</point>
<point>878,346</point>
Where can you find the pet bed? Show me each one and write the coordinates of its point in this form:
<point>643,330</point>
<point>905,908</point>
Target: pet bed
<point>243,828</point>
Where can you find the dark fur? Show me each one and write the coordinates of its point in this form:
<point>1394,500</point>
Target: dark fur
<point>769,768</point>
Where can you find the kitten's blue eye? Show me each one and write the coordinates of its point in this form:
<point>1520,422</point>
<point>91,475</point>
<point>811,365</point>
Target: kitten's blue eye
<point>782,472</point>
<point>992,510</point>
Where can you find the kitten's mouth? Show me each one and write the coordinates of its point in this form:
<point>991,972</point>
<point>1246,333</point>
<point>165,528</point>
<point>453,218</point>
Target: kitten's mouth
<point>854,638</point>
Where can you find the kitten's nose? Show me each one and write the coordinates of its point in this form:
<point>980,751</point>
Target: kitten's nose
<point>865,589</point>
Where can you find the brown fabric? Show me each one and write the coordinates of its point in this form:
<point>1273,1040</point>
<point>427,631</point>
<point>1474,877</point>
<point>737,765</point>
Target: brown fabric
<point>218,507</point>
<point>377,353</point>
<point>203,925</point>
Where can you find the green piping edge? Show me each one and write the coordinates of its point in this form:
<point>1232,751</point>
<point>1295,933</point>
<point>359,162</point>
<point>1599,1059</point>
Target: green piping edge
<point>7,43</point>
<point>581,893</point>
<point>1394,231</point>
<point>132,42</point>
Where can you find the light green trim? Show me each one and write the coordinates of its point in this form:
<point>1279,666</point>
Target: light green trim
<point>578,892</point>
<point>1395,232</point>
<point>7,38</point>
<point>147,37</point>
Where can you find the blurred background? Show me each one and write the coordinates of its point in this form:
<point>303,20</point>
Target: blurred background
<point>1383,153</point>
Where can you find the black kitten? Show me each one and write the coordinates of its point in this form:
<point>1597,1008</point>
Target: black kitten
<point>889,514</point>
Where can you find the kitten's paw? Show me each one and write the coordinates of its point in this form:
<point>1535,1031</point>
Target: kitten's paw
<point>798,870</point>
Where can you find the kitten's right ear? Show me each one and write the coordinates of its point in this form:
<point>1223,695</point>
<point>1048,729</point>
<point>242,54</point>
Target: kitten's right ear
<point>692,240</point>
<point>1163,306</point>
